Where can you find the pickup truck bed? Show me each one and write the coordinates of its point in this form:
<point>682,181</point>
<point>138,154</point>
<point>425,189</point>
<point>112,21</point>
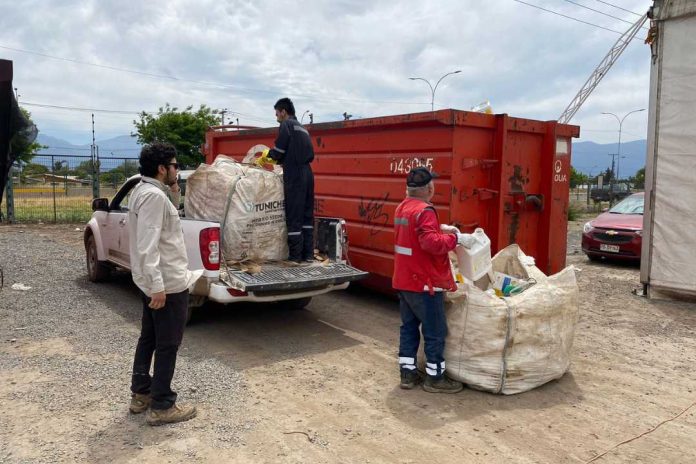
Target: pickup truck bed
<point>274,277</point>
<point>107,246</point>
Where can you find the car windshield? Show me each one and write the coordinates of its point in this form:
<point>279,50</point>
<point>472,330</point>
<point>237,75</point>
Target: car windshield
<point>629,205</point>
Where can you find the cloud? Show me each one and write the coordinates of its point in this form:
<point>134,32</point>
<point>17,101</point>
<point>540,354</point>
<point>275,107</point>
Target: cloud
<point>330,57</point>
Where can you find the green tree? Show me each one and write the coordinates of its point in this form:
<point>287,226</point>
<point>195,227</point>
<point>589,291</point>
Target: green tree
<point>183,129</point>
<point>33,170</point>
<point>638,180</point>
<point>84,170</point>
<point>61,168</point>
<point>21,147</point>
<point>120,173</point>
<point>608,176</point>
<point>577,177</point>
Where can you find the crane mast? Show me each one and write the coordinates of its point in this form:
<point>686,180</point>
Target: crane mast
<point>601,70</point>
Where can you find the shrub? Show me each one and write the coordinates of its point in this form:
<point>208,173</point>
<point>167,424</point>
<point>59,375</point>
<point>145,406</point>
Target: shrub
<point>573,212</point>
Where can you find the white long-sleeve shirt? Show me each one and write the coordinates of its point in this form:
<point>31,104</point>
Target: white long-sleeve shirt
<point>157,249</point>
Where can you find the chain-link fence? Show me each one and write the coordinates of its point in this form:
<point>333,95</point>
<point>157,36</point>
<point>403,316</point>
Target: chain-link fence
<point>60,188</point>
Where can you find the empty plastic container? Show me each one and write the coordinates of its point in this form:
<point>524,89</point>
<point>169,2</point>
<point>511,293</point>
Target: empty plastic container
<point>475,262</point>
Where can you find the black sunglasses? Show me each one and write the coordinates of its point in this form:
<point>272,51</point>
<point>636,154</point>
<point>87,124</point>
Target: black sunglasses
<point>176,165</point>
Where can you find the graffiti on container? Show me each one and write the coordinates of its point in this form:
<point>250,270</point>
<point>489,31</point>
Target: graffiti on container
<point>517,180</point>
<point>372,213</point>
<point>404,165</point>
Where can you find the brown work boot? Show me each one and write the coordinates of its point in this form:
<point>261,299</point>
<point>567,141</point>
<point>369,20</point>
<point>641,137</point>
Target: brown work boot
<point>177,413</point>
<point>442,385</point>
<point>139,403</point>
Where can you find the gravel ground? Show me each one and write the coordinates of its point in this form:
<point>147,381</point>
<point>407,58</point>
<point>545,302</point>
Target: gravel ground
<point>321,385</point>
<point>69,344</point>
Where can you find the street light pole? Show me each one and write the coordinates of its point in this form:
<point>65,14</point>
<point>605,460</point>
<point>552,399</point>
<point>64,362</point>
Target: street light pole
<point>620,121</point>
<point>433,89</point>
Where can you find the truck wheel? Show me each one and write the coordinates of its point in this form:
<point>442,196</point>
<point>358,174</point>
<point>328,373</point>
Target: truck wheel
<point>97,271</point>
<point>298,304</point>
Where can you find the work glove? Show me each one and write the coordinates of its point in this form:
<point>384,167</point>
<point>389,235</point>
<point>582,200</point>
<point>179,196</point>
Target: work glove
<point>466,240</point>
<point>448,229</point>
<point>265,159</point>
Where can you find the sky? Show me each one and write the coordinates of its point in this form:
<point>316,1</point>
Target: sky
<point>329,57</point>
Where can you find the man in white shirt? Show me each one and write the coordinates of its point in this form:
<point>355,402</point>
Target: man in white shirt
<point>160,269</point>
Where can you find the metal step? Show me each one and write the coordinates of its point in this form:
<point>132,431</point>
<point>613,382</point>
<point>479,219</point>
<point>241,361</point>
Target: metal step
<point>274,277</point>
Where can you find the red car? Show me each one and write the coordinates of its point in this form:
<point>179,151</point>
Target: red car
<point>616,233</point>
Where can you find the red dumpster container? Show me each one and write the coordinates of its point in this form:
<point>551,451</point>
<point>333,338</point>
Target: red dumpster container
<point>507,175</point>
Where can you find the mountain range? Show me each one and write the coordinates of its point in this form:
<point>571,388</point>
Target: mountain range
<point>123,146</point>
<point>587,157</point>
<point>590,158</point>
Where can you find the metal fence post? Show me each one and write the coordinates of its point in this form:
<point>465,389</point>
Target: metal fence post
<point>53,185</point>
<point>9,199</point>
<point>95,171</point>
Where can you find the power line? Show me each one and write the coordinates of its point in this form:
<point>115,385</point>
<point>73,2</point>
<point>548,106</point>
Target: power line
<point>619,8</point>
<point>113,68</point>
<point>570,17</point>
<point>194,81</point>
<point>74,148</point>
<point>601,12</point>
<point>103,148</point>
<point>101,110</point>
<point>75,108</point>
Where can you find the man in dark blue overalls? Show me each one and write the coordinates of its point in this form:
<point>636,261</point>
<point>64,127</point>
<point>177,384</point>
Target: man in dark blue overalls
<point>293,150</point>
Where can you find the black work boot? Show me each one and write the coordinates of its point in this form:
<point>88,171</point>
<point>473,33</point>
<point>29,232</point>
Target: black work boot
<point>307,244</point>
<point>442,384</point>
<point>409,379</point>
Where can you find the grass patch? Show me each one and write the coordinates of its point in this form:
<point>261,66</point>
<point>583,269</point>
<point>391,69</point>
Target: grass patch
<point>46,209</point>
<point>574,212</point>
<point>40,204</point>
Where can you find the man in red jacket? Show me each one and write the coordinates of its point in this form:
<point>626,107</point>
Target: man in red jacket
<point>422,275</point>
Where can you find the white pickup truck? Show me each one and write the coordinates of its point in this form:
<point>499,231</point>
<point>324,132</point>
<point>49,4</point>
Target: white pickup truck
<point>107,247</point>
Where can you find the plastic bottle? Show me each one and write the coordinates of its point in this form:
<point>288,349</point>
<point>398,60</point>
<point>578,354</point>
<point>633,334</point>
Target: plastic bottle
<point>475,262</point>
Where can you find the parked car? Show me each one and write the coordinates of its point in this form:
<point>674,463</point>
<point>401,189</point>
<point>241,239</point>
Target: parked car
<point>610,192</point>
<point>617,232</point>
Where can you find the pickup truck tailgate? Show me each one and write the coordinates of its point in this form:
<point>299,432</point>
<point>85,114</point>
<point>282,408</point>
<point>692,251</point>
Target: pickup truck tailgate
<point>274,277</point>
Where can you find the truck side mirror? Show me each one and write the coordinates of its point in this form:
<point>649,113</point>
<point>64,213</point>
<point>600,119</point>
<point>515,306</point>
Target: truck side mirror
<point>100,204</point>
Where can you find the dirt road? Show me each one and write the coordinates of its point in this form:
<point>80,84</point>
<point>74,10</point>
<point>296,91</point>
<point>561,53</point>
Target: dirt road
<point>321,385</point>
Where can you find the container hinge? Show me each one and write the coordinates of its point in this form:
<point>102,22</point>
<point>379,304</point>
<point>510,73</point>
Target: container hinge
<point>468,163</point>
<point>485,194</point>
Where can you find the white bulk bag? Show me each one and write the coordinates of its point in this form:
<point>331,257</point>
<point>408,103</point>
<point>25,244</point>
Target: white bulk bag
<point>207,189</point>
<point>248,202</point>
<point>513,344</point>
